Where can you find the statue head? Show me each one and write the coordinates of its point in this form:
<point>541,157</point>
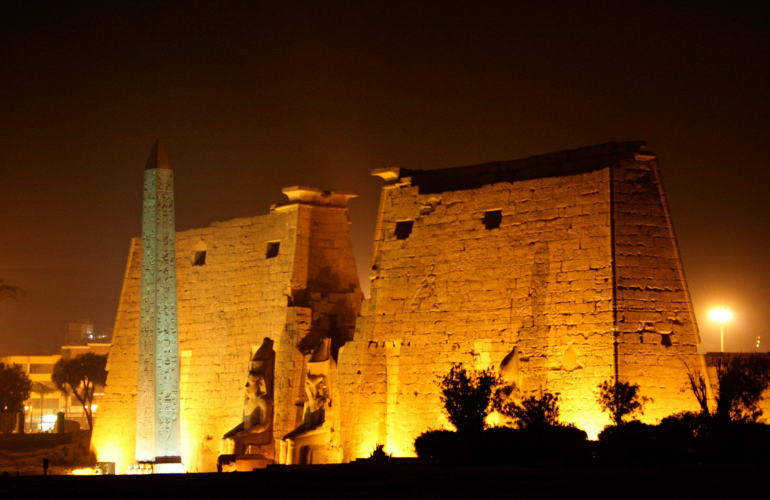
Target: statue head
<point>262,360</point>
<point>258,384</point>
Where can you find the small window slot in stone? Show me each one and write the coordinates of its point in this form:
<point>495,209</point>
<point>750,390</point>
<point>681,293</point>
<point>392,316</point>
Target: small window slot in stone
<point>200,258</point>
<point>493,218</point>
<point>665,339</point>
<point>272,249</point>
<point>404,229</point>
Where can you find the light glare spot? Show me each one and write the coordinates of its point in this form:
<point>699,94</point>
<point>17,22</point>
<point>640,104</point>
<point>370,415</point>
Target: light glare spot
<point>720,315</point>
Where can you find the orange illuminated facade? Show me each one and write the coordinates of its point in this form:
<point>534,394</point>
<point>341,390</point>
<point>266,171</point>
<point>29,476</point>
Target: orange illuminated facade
<point>561,271</point>
<point>288,276</point>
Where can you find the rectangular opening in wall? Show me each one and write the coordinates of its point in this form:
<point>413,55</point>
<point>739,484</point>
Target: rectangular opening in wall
<point>404,229</point>
<point>199,259</point>
<point>665,339</point>
<point>272,249</point>
<point>493,218</point>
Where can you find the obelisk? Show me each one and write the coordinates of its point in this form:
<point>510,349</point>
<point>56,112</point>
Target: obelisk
<point>158,436</point>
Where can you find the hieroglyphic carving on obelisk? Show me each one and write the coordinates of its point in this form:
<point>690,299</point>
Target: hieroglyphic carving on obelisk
<point>157,420</point>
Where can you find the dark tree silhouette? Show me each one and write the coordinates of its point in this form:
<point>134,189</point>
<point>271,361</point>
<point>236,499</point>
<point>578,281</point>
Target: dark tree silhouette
<point>80,375</point>
<point>741,380</point>
<point>620,400</point>
<point>15,388</point>
<point>533,412</point>
<point>466,396</point>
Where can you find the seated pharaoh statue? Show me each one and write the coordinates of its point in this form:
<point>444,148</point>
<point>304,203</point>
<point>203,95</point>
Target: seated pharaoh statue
<point>253,437</point>
<point>315,429</point>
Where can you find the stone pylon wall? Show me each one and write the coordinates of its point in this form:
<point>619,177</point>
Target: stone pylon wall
<point>227,307</point>
<point>542,291</point>
<point>656,325</point>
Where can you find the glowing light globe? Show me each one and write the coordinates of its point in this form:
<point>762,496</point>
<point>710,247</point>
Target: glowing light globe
<point>720,315</point>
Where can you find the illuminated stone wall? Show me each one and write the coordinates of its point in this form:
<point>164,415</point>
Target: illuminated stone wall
<point>658,334</point>
<point>545,291</point>
<point>227,306</point>
<point>558,270</point>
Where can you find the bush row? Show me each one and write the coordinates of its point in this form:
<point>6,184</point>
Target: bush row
<point>685,439</point>
<point>505,446</point>
<point>679,440</point>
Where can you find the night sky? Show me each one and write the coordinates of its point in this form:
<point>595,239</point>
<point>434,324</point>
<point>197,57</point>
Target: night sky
<point>251,97</point>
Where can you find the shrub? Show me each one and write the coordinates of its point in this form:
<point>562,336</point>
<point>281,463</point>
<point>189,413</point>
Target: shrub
<point>737,442</point>
<point>505,446</point>
<point>532,412</point>
<point>741,381</point>
<point>686,423</point>
<point>620,400</point>
<point>441,445</point>
<point>632,442</point>
<point>466,396</point>
<point>379,454</point>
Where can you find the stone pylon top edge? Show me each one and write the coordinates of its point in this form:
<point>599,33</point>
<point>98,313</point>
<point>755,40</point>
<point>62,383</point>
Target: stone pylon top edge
<point>387,173</point>
<point>316,196</point>
<point>559,164</point>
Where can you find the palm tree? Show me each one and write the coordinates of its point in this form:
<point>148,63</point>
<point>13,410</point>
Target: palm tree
<point>42,389</point>
<point>10,292</point>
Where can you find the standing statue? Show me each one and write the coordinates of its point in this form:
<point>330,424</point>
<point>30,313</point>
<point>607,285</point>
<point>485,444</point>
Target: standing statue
<point>257,425</point>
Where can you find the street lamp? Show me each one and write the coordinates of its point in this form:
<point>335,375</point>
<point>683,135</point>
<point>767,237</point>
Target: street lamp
<point>721,316</point>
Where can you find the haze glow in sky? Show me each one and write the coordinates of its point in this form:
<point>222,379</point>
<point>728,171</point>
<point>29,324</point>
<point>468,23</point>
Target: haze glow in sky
<point>251,99</point>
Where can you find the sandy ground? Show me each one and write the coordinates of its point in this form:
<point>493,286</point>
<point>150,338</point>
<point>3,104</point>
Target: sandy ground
<point>28,463</point>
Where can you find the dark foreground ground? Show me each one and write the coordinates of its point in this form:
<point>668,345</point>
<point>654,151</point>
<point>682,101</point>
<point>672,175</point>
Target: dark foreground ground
<point>411,480</point>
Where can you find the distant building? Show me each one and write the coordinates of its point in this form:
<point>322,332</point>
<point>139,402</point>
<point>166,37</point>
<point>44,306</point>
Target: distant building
<point>72,351</point>
<point>79,332</point>
<point>46,401</point>
<point>82,332</point>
